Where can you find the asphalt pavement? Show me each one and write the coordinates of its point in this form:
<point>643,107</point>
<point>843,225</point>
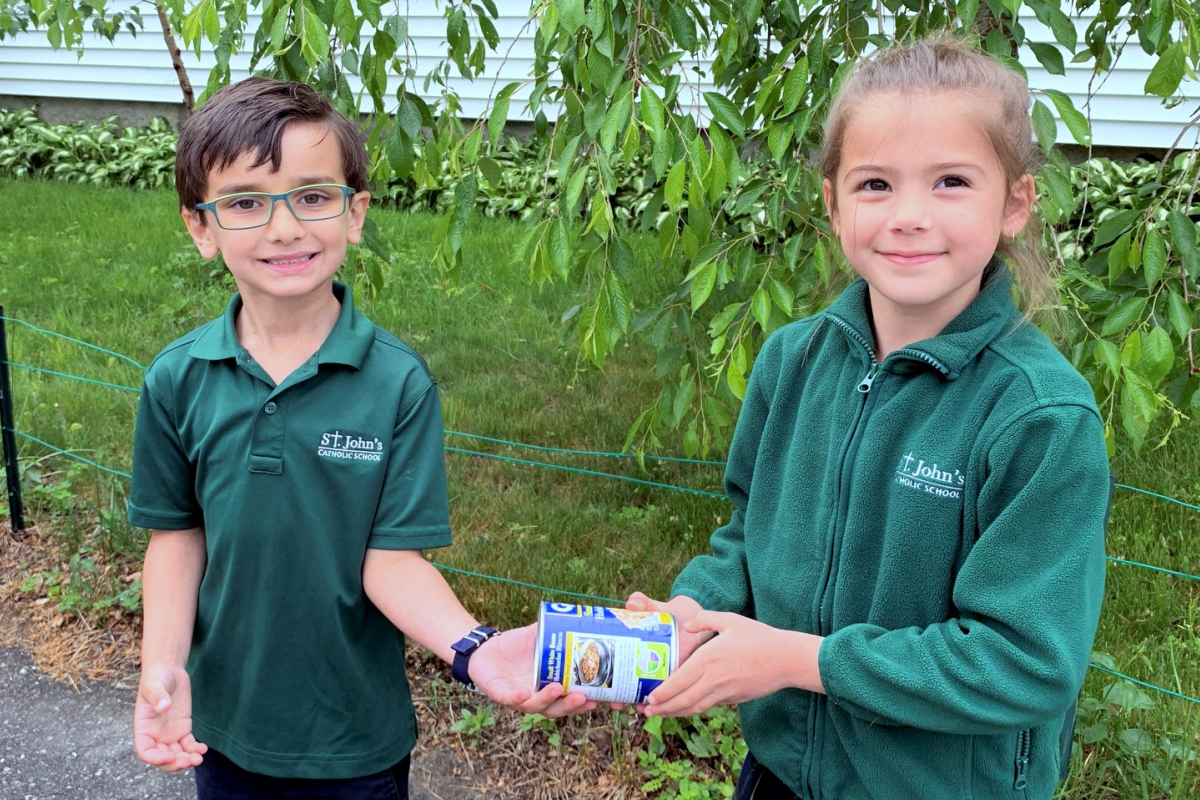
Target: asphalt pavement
<point>64,742</point>
<point>59,742</point>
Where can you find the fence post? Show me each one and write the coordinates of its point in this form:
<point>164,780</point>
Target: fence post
<point>8,424</point>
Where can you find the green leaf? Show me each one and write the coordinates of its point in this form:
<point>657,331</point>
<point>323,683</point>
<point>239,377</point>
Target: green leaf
<point>1127,696</point>
<point>1123,316</point>
<point>558,248</point>
<point>1166,75</point>
<point>683,400</point>
<point>570,14</point>
<point>1131,353</point>
<point>1158,356</point>
<point>1118,256</point>
<point>726,113</point>
<point>673,190</point>
<point>702,284</point>
<point>1108,354</point>
<point>794,86</point>
<point>408,117</point>
<point>1113,227</point>
<point>1059,23</point>
<point>1044,126</point>
<point>497,119</point>
<point>1183,237</point>
<point>736,379</point>
<point>653,112</point>
<point>616,119</point>
<point>1076,122</point>
<point>575,187</point>
<point>760,305</point>
<point>1154,257</point>
<point>779,136</point>
<point>967,9</point>
<point>490,170</point>
<point>278,30</point>
<point>471,145</point>
<point>1141,393</point>
<point>1179,314</point>
<point>783,296</point>
<point>1049,57</point>
<point>682,26</point>
<point>489,31</point>
<point>314,38</point>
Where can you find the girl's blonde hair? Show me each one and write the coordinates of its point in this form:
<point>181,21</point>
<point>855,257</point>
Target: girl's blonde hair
<point>940,64</point>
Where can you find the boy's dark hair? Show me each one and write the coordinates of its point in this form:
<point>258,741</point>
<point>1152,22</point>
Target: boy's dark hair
<point>250,116</point>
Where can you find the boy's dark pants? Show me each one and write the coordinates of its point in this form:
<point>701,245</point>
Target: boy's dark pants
<point>758,783</point>
<point>218,778</point>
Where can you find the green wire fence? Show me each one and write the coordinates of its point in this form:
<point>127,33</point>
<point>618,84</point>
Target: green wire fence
<point>541,464</point>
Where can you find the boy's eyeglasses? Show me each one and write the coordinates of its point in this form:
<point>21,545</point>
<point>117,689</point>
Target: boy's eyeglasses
<point>237,212</point>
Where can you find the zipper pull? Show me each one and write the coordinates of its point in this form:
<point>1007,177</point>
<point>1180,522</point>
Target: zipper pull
<point>865,386</point>
<point>1020,780</point>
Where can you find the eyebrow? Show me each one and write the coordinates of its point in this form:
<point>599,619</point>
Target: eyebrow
<point>238,188</point>
<point>949,166</point>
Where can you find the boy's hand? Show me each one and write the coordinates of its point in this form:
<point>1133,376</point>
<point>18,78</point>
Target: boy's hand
<point>502,668</point>
<point>162,719</point>
<point>747,661</point>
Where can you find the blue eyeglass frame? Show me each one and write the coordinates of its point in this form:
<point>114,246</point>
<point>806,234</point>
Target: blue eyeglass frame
<point>211,205</point>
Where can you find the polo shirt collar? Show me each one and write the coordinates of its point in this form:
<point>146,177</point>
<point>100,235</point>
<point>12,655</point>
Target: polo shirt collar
<point>990,315</point>
<point>347,343</point>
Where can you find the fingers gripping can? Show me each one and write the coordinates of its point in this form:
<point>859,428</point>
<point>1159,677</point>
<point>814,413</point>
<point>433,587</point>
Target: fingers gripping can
<point>609,654</point>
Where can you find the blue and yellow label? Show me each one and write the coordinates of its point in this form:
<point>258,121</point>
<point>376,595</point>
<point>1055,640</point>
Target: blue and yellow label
<point>609,654</point>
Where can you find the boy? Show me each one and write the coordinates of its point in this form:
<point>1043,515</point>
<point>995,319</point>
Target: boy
<point>288,459</point>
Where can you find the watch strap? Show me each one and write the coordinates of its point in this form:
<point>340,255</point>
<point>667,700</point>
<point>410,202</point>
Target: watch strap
<point>464,648</point>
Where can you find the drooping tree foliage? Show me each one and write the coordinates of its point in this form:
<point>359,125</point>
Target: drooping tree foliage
<point>736,208</point>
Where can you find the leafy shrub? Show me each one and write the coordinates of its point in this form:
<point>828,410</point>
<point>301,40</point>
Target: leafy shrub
<point>102,153</point>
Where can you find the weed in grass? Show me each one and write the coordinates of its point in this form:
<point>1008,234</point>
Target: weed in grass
<point>532,722</point>
<point>474,722</point>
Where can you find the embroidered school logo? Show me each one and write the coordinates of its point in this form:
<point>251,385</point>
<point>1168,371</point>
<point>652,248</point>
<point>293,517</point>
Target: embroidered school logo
<point>916,473</point>
<point>348,447</point>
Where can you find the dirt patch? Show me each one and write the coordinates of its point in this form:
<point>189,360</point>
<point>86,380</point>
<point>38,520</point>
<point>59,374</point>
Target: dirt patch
<point>509,758</point>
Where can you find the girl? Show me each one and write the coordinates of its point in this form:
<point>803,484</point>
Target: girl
<point>908,588</point>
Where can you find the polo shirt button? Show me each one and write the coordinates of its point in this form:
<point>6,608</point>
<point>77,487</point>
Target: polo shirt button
<point>270,408</point>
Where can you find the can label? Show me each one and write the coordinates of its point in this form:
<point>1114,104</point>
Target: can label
<point>609,654</point>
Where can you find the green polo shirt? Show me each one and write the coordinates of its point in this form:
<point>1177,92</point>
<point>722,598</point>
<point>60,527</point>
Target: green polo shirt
<point>295,673</point>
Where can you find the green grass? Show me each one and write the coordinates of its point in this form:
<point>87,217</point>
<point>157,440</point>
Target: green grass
<point>115,268</point>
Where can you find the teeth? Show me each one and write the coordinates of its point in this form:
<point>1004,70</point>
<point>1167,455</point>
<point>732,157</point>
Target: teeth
<point>282,263</point>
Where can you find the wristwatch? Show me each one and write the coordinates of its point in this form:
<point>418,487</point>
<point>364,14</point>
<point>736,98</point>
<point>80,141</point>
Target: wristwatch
<point>464,648</point>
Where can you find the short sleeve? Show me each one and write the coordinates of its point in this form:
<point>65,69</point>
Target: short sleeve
<point>163,494</point>
<point>414,509</point>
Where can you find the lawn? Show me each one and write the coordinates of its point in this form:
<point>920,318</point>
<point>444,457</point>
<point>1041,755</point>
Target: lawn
<point>114,268</point>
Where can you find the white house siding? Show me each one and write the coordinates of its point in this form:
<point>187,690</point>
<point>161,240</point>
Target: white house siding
<point>138,69</point>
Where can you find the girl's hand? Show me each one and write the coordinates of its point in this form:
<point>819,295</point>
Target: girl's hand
<point>162,719</point>
<point>502,668</point>
<point>684,608</point>
<point>748,660</point>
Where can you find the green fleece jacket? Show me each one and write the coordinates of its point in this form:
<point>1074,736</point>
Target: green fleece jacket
<point>939,517</point>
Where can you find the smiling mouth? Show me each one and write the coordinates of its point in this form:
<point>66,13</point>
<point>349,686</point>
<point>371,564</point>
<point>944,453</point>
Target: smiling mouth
<point>910,258</point>
<point>289,262</point>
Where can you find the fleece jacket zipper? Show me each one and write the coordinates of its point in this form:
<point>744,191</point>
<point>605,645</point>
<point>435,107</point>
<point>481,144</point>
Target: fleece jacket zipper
<point>1021,764</point>
<point>824,610</point>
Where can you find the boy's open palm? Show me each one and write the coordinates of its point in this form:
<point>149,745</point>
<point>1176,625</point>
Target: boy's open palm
<point>162,719</point>
<point>503,669</point>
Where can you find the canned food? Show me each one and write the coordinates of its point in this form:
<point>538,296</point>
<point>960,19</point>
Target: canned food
<point>609,654</point>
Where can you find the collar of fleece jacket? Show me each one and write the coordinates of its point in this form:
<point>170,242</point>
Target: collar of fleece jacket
<point>959,342</point>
